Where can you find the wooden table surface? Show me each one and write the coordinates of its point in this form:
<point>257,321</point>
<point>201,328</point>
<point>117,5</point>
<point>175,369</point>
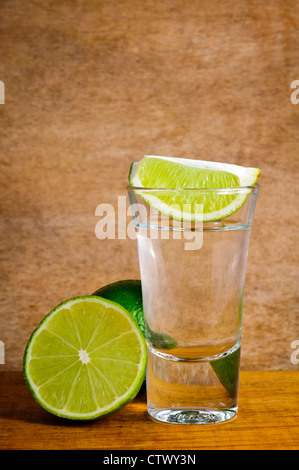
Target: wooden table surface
<point>268,418</point>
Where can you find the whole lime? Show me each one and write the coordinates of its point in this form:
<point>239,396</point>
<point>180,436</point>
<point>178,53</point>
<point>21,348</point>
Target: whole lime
<point>127,293</point>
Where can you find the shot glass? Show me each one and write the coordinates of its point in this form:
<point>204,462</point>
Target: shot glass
<point>192,277</point>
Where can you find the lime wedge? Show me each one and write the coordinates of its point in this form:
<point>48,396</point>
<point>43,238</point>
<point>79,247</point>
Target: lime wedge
<point>86,359</point>
<point>205,205</point>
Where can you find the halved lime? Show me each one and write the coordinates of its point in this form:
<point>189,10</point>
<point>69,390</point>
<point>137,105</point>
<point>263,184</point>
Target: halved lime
<point>213,201</point>
<point>86,359</point>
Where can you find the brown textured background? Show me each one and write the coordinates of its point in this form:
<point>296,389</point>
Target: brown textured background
<point>92,86</point>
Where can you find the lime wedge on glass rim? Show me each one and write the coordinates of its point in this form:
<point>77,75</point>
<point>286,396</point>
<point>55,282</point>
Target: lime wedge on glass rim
<point>86,359</point>
<point>212,179</point>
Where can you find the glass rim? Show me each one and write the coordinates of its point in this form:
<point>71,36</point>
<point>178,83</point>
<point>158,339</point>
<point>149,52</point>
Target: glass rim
<point>253,187</point>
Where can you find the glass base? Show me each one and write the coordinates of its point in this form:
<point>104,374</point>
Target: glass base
<point>175,416</point>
